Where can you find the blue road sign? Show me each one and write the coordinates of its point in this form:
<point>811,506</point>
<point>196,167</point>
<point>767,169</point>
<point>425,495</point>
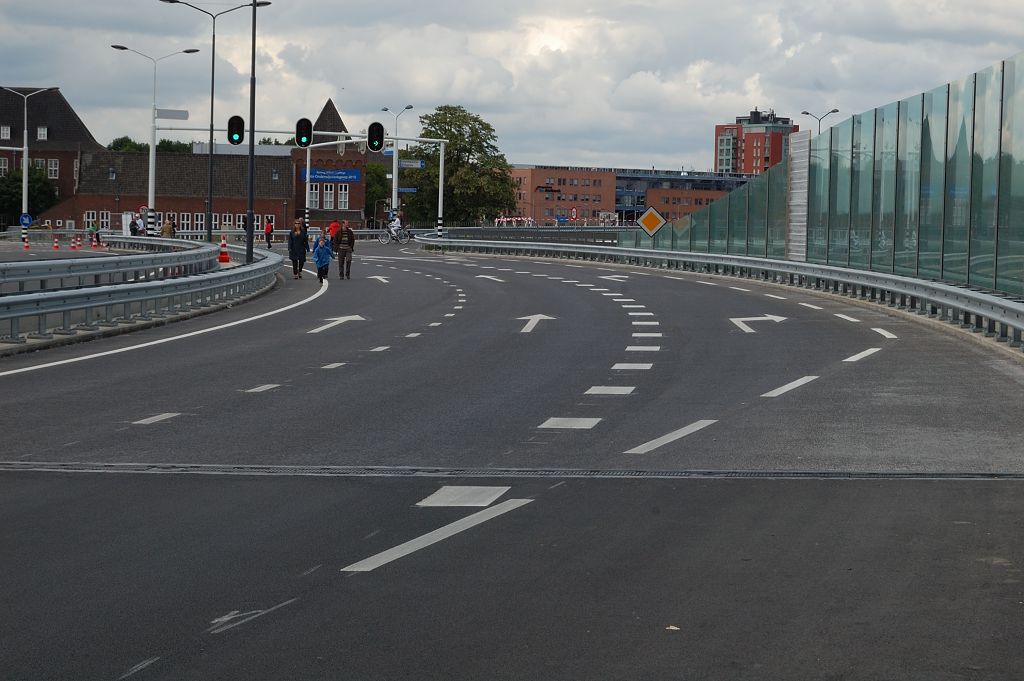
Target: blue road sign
<point>407,190</point>
<point>26,220</point>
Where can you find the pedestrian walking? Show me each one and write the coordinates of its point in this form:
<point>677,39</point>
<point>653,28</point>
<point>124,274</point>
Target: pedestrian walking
<point>167,229</point>
<point>322,258</point>
<point>344,246</point>
<point>333,228</point>
<point>268,233</point>
<point>297,248</point>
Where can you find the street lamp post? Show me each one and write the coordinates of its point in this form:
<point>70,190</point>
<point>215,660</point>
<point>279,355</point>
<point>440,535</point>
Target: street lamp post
<point>151,199</point>
<point>249,227</point>
<point>213,67</point>
<point>394,159</point>
<point>24,145</point>
<point>818,118</point>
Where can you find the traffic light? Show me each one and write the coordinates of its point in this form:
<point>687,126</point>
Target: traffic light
<point>375,137</point>
<point>236,129</point>
<point>303,132</point>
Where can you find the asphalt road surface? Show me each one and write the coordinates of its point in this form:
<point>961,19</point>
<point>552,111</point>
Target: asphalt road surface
<point>669,476</point>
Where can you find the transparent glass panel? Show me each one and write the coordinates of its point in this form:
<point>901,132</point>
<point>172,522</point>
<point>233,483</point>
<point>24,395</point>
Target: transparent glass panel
<point>959,147</point>
<point>757,215</point>
<point>699,243</point>
<point>908,184</point>
<point>683,233</point>
<point>985,177</point>
<point>818,199</point>
<point>663,237</point>
<point>884,201</point>
<point>719,225</point>
<point>738,220</point>
<point>933,182</point>
<point>778,210</point>
<point>1010,263</point>
<point>839,193</point>
<point>861,186</point>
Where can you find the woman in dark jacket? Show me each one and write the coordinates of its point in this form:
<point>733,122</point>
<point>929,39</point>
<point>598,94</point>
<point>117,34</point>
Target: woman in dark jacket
<point>297,248</point>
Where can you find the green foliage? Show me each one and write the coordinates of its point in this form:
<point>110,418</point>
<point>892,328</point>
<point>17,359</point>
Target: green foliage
<point>478,179</point>
<point>127,144</point>
<point>173,147</point>
<point>42,195</point>
<point>377,189</point>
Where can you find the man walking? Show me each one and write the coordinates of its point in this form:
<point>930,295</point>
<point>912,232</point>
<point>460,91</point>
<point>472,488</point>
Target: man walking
<point>345,244</point>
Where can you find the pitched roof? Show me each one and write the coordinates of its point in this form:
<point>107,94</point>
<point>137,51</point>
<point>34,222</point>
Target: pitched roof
<point>65,131</point>
<point>185,174</point>
<point>329,120</point>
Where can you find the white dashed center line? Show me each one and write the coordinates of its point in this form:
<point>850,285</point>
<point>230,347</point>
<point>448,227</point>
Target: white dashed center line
<point>569,424</point>
<point>624,366</point>
<point>790,386</point>
<point>861,355</point>
<point>155,419</point>
<point>886,334</point>
<point>611,390</point>
<point>671,437</point>
<point>847,318</point>
<point>335,365</point>
<point>813,307</point>
<point>263,388</point>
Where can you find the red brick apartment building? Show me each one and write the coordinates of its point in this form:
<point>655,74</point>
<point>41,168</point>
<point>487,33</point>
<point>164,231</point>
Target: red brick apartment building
<point>753,144</point>
<point>550,194</point>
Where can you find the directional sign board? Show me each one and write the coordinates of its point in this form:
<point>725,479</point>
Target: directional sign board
<point>407,190</point>
<point>25,220</point>
<point>651,221</point>
<point>411,163</point>
<point>172,114</point>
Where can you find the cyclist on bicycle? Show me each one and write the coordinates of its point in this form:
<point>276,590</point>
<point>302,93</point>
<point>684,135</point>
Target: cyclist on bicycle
<point>394,226</point>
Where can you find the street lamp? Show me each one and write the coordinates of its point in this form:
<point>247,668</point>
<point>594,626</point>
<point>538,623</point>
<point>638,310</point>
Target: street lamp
<point>213,64</point>
<point>394,159</point>
<point>24,146</point>
<point>249,227</point>
<point>151,200</point>
<point>818,118</point>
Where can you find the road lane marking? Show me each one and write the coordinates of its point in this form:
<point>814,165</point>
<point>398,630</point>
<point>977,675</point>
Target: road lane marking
<point>847,318</point>
<point>463,495</point>
<point>813,307</point>
<point>599,290</point>
<point>648,335</point>
<point>557,423</point>
<point>706,283</point>
<point>861,355</point>
<point>643,348</point>
<point>220,623</point>
<point>381,348</point>
<point>624,300</point>
<point>625,366</point>
<point>790,386</point>
<point>610,390</point>
<point>769,295</point>
<point>886,334</point>
<point>671,437</point>
<point>633,307</point>
<point>737,288</point>
<point>334,365</point>
<point>138,668</point>
<point>641,314</point>
<point>412,335</point>
<point>434,324</point>
<point>646,323</point>
<point>263,388</point>
<point>155,419</point>
<point>584,285</point>
<point>430,538</point>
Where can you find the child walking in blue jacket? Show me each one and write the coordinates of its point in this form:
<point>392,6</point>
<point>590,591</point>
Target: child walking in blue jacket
<point>322,258</point>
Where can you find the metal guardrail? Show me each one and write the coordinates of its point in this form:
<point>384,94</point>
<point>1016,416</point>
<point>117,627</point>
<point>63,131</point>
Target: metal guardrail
<point>172,259</point>
<point>89,309</point>
<point>997,316</point>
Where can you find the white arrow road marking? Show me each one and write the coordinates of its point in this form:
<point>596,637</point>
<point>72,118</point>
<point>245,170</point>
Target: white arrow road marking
<point>738,321</point>
<point>155,419</point>
<point>671,437</point>
<point>486,276</point>
<point>334,321</point>
<point>383,280</point>
<point>426,540</point>
<point>615,277</point>
<point>532,321</point>
<point>790,386</point>
<point>887,334</point>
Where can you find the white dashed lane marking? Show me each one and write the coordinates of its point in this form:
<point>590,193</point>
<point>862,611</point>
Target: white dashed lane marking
<point>625,366</point>
<point>643,348</point>
<point>861,355</point>
<point>790,386</point>
<point>884,333</point>
<point>155,419</point>
<point>569,423</point>
<point>610,390</point>
<point>813,307</point>
<point>847,318</point>
<point>334,365</point>
<point>671,437</point>
<point>263,388</point>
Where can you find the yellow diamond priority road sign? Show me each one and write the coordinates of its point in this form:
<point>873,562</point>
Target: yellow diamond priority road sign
<point>651,221</point>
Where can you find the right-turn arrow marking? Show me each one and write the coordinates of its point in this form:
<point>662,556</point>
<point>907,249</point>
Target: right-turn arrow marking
<point>738,321</point>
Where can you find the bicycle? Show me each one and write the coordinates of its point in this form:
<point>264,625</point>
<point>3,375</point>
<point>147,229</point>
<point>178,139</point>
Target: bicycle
<point>385,237</point>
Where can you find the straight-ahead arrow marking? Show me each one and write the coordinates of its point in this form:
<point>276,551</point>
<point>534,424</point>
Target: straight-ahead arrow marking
<point>738,321</point>
<point>532,321</point>
<point>334,321</point>
<point>486,276</point>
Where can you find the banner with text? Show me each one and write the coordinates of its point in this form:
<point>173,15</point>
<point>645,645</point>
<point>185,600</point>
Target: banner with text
<point>325,175</point>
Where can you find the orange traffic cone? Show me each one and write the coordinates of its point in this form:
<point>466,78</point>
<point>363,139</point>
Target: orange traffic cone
<point>56,242</point>
<point>223,257</point>
<point>92,242</point>
<point>73,245</point>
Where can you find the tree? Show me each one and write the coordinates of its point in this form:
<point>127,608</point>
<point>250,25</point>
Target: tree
<point>478,179</point>
<point>376,190</point>
<point>42,195</point>
<point>127,144</point>
<point>173,147</point>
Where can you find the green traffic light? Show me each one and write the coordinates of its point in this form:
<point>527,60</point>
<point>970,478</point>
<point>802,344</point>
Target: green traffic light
<point>235,136</point>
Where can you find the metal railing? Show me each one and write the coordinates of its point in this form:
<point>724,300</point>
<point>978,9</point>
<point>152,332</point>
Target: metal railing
<point>68,312</point>
<point>994,315</point>
<point>158,259</point>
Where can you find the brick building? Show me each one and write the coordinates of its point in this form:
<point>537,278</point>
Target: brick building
<point>550,194</point>
<point>56,137</point>
<point>753,144</point>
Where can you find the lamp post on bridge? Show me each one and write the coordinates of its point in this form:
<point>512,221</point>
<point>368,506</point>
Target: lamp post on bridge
<point>394,159</point>
<point>24,145</point>
<point>819,118</point>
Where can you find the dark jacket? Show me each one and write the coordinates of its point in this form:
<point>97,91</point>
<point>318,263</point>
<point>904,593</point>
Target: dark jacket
<point>298,246</point>
<point>345,240</point>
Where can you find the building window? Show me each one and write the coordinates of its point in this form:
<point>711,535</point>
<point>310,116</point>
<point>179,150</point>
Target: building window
<point>328,196</point>
<point>342,197</point>
<point>89,217</point>
<point>3,167</point>
<point>39,163</point>
<point>199,219</point>
<point>597,183</point>
<point>314,195</point>
<point>225,221</point>
<point>185,221</point>
<point>104,219</point>
<point>240,221</point>
<point>41,133</point>
<point>215,220</point>
<point>53,168</point>
<point>5,132</point>
<point>76,170</point>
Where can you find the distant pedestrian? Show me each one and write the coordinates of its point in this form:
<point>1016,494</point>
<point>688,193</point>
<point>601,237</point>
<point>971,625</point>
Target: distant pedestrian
<point>333,228</point>
<point>94,234</point>
<point>268,233</point>
<point>167,229</point>
<point>322,257</point>
<point>133,226</point>
<point>344,246</point>
<point>297,248</point>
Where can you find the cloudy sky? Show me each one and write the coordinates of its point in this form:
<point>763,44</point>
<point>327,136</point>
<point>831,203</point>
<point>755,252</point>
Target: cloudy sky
<point>575,82</point>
